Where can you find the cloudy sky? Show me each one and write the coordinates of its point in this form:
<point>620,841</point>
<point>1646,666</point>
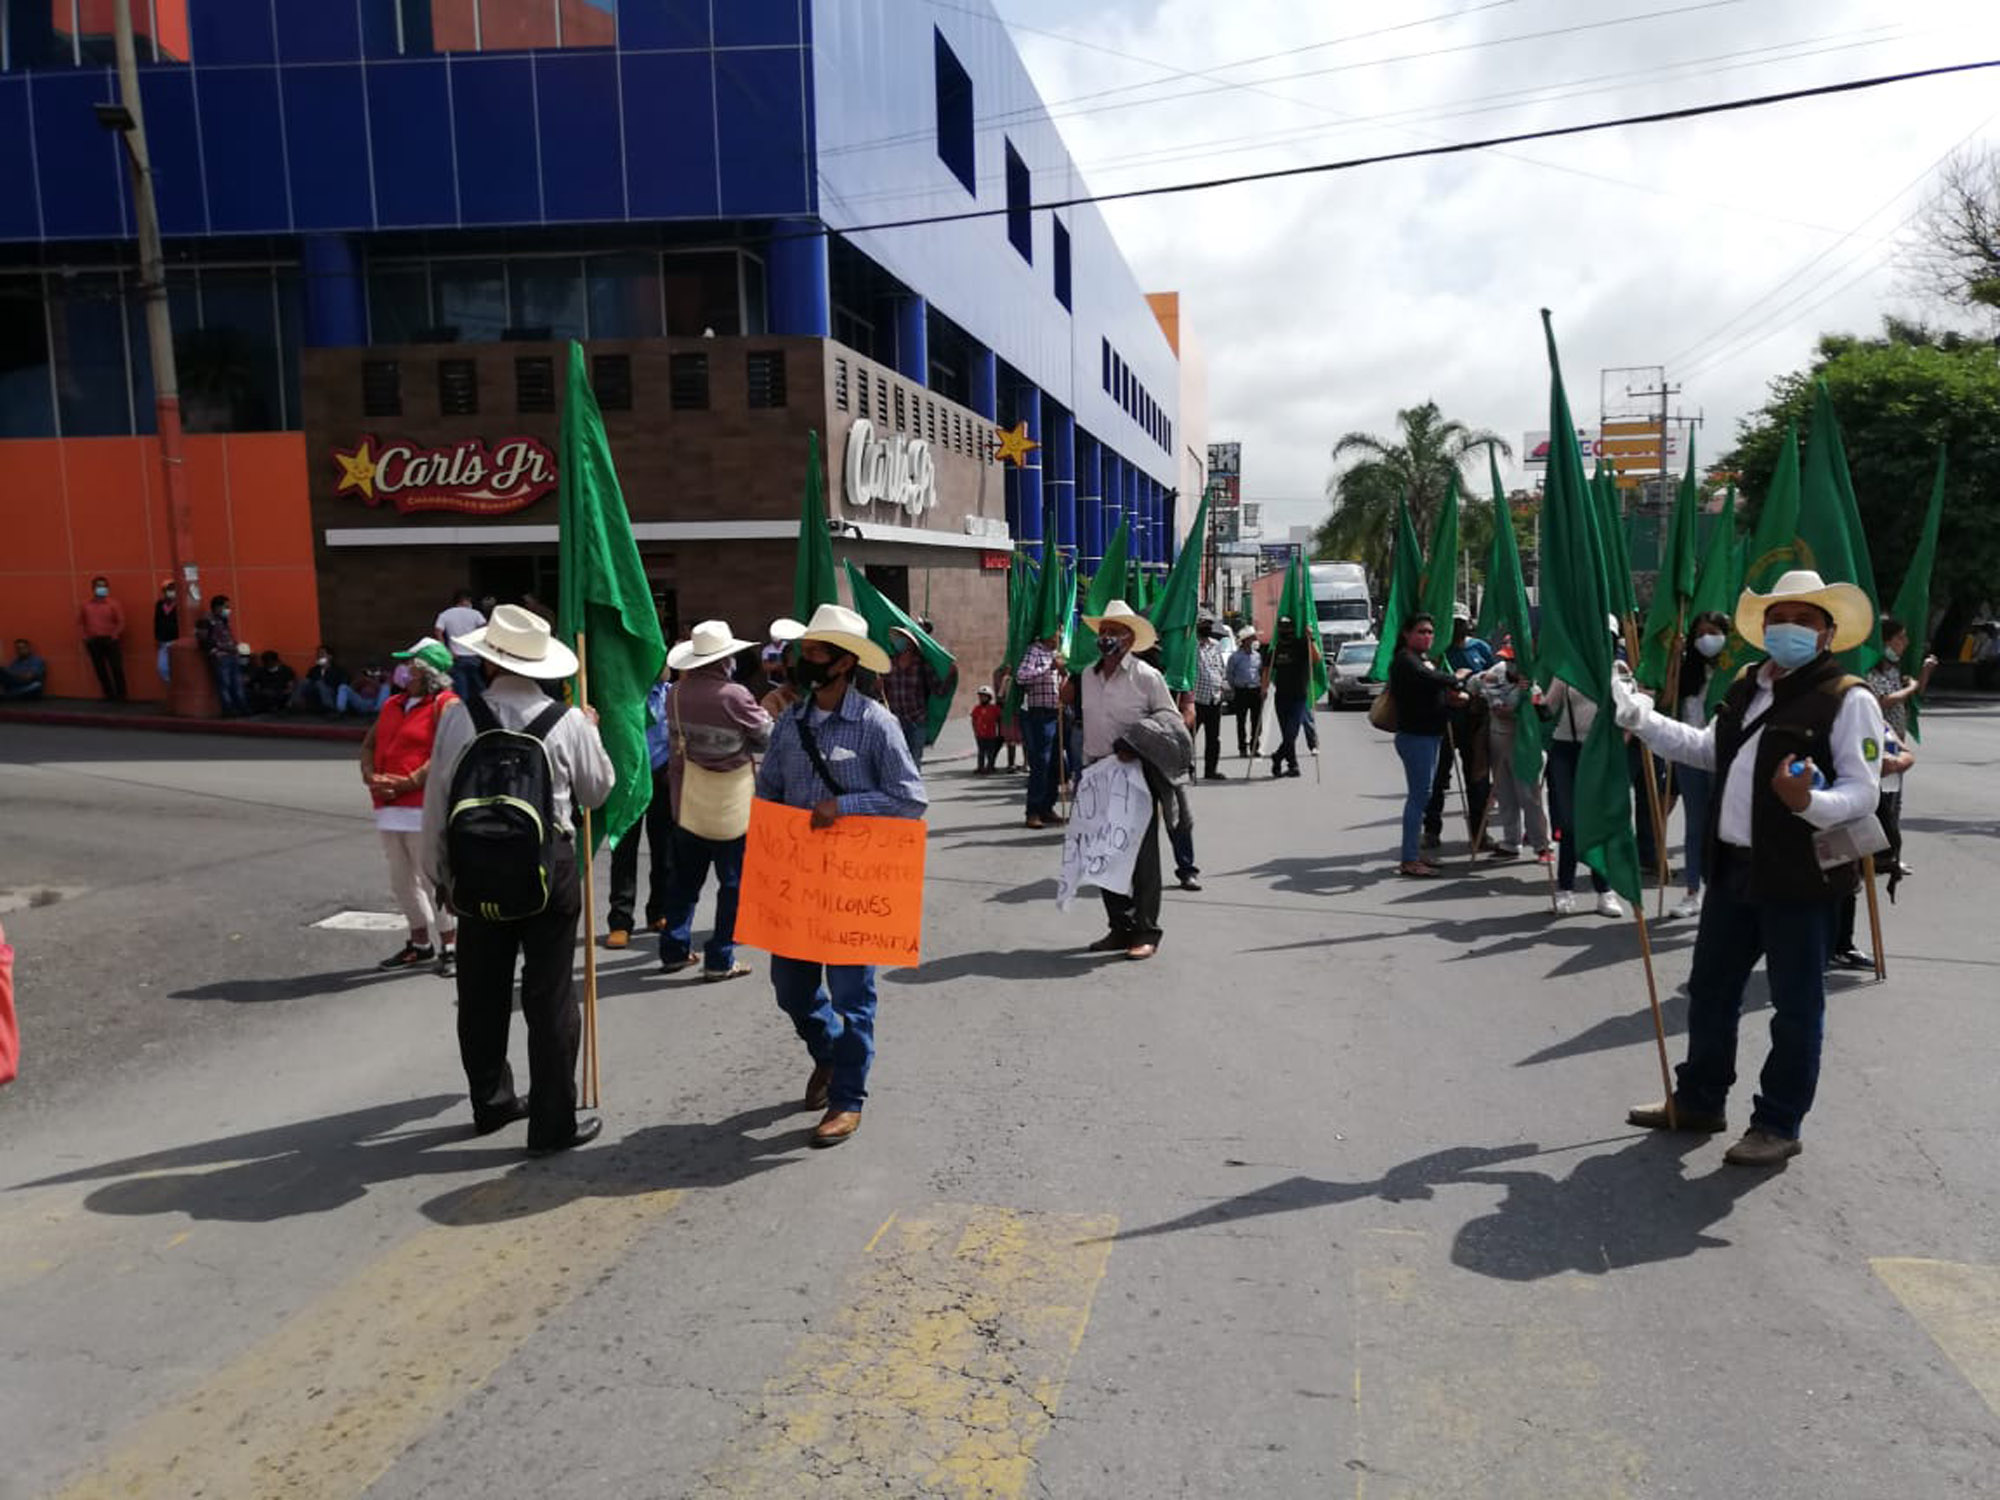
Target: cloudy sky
<point>1718,248</point>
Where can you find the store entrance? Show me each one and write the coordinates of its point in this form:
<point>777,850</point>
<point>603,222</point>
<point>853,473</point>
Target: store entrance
<point>892,582</point>
<point>515,578</point>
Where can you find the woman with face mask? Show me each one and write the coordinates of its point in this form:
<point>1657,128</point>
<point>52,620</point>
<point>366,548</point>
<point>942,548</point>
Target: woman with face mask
<point>1707,634</point>
<point>395,764</point>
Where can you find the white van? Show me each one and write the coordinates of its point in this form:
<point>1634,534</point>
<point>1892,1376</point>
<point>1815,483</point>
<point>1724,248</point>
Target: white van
<point>1340,598</point>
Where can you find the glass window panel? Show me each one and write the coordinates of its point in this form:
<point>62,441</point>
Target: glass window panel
<point>755,297</point>
<point>548,294</point>
<point>87,323</point>
<point>183,312</point>
<point>27,401</point>
<point>471,296</point>
<point>399,303</point>
<point>702,295</point>
<point>229,369</point>
<point>291,339</point>
<point>39,33</point>
<point>624,295</point>
<point>511,25</point>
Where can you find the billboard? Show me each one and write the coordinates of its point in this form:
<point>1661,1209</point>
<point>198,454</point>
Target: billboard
<point>1225,458</point>
<point>1629,445</point>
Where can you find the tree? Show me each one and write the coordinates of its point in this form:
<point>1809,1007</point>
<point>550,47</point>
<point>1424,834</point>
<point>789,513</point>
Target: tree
<point>1897,398</point>
<point>1419,461</point>
<point>1955,252</point>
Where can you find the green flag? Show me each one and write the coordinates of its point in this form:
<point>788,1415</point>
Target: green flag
<point>1108,582</point>
<point>1439,589</point>
<point>1913,599</point>
<point>1178,608</point>
<point>1508,623</point>
<point>1576,647</point>
<point>812,571</point>
<point>1830,538</point>
<point>1616,546</point>
<point>606,608</point>
<point>883,616</point>
<point>1667,618</point>
<point>1406,590</point>
<point>1768,555</point>
<point>1295,603</point>
<point>1717,582</point>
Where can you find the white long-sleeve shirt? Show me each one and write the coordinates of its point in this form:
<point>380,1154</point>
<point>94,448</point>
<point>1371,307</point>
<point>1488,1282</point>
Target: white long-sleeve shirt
<point>1856,737</point>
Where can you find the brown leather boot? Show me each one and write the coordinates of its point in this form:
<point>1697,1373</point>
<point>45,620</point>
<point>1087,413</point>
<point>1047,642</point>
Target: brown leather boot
<point>838,1125</point>
<point>818,1085</point>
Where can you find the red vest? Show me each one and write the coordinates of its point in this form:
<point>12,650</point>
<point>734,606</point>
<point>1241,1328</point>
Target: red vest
<point>404,733</point>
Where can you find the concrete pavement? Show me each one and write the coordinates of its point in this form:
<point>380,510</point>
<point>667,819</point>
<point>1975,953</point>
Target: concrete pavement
<point>1333,1197</point>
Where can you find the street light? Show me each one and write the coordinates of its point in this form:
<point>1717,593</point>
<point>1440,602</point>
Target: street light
<point>190,694</point>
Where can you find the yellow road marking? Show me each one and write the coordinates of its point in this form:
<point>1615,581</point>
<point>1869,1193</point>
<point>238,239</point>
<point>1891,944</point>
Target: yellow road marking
<point>941,1374</point>
<point>323,1407</point>
<point>1959,1307</point>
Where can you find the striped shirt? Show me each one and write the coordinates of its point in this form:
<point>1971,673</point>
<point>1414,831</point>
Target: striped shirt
<point>1040,678</point>
<point>864,749</point>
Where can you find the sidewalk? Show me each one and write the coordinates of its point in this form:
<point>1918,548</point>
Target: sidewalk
<point>91,713</point>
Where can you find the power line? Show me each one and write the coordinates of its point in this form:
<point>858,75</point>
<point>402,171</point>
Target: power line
<point>1450,148</point>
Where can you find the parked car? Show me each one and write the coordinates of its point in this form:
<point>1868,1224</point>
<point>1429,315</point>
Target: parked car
<point>1349,681</point>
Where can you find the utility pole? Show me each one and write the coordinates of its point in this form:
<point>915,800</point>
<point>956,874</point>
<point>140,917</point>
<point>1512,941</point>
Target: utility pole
<point>190,692</point>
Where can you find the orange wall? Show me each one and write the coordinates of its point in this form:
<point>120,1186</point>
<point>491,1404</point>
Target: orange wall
<point>77,507</point>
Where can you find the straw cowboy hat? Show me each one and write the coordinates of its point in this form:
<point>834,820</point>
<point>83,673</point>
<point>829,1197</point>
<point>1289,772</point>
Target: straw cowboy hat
<point>1853,616</point>
<point>785,628</point>
<point>711,642</point>
<point>1118,612</point>
<point>520,641</point>
<point>837,626</point>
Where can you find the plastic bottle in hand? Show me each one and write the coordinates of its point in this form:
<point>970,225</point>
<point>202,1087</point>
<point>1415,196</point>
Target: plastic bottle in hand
<point>1798,767</point>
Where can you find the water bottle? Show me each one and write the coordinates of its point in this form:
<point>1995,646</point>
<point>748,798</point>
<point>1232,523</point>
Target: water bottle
<point>1798,767</point>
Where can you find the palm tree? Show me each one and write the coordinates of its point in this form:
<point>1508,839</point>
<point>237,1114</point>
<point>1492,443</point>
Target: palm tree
<point>1419,462</point>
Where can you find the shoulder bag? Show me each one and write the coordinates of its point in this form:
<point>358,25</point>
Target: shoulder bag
<point>715,805</point>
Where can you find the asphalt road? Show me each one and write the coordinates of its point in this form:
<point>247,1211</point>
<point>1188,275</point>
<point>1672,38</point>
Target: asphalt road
<point>1333,1197</point>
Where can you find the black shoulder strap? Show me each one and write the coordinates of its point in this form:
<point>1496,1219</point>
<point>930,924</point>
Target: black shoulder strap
<point>544,723</point>
<point>811,743</point>
<point>483,720</point>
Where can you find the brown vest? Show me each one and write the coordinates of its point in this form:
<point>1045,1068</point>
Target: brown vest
<point>1797,726</point>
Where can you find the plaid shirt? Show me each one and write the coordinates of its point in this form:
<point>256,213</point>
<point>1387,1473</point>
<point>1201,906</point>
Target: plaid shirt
<point>863,747</point>
<point>1040,678</point>
<point>908,690</point>
<point>1211,665</point>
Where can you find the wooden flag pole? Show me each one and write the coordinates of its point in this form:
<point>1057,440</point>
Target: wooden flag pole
<point>1672,692</point>
<point>587,1091</point>
<point>1874,918</point>
<point>1659,1022</point>
<point>1646,764</point>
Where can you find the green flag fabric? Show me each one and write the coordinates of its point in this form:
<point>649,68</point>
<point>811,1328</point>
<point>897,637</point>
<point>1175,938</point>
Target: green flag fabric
<point>883,616</point>
<point>1717,582</point>
<point>1769,553</point>
<point>1576,647</point>
<point>1508,623</point>
<point>1617,548</point>
<point>1913,599</point>
<point>1831,540</point>
<point>1440,581</point>
<point>1108,582</point>
<point>1178,608</point>
<point>1667,617</point>
<point>606,607</point>
<point>812,571</point>
<point>1406,590</point>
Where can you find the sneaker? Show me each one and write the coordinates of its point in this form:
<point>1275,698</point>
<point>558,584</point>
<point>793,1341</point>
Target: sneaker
<point>1189,883</point>
<point>1546,855</point>
<point>409,956</point>
<point>447,963</point>
<point>1608,905</point>
<point>1688,906</point>
<point>1565,903</point>
<point>1760,1148</point>
<point>1502,852</point>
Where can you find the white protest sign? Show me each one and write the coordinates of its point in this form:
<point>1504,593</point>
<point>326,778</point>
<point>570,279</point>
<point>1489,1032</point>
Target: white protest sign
<point>1106,825</point>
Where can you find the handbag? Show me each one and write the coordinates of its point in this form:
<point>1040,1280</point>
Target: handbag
<point>1382,712</point>
<point>1849,843</point>
<point>715,805</point>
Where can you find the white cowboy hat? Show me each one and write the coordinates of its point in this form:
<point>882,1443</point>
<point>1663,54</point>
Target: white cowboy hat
<point>785,628</point>
<point>1247,633</point>
<point>1118,612</point>
<point>520,641</point>
<point>838,626</point>
<point>711,642</point>
<point>1853,616</point>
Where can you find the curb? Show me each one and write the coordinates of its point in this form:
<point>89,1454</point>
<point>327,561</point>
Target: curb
<point>166,724</point>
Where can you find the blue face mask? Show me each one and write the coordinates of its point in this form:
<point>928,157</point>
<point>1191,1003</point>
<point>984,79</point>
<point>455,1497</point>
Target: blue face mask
<point>1791,646</point>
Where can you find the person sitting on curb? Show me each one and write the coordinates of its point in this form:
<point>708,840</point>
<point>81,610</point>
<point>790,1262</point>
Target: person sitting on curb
<point>26,675</point>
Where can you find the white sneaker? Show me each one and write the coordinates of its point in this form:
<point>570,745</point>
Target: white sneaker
<point>1565,903</point>
<point>1608,905</point>
<point>1689,906</point>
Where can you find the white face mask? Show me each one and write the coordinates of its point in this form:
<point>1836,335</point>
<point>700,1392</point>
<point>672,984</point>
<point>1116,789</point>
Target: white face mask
<point>1710,646</point>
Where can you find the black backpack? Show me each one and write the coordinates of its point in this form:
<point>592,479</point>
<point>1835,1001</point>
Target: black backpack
<point>499,827</point>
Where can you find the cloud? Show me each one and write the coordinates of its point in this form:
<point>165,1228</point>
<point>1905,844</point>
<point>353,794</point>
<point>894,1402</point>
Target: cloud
<point>1328,302</point>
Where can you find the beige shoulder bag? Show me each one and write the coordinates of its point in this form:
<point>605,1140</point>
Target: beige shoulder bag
<point>715,805</point>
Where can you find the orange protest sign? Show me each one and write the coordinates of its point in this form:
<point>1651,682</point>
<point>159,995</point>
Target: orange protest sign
<point>849,894</point>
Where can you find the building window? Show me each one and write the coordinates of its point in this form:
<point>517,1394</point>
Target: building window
<point>428,26</point>
<point>766,370</point>
<point>458,388</point>
<point>381,388</point>
<point>71,33</point>
<point>840,385</point>
<point>611,380</point>
<point>882,400</point>
<point>1104,347</point>
<point>622,293</point>
<point>470,301</point>
<point>1020,195</point>
<point>954,116</point>
<point>901,418</point>
<point>687,382</point>
<point>545,300</point>
<point>534,383</point>
<point>1062,265</point>
<point>27,386</point>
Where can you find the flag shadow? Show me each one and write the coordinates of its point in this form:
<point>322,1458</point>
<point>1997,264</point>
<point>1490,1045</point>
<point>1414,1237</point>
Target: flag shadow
<point>1018,963</point>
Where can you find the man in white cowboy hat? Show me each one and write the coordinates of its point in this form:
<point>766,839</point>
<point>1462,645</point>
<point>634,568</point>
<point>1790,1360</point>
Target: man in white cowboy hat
<point>1795,747</point>
<point>519,654</point>
<point>715,725</point>
<point>1118,692</point>
<point>840,753</point>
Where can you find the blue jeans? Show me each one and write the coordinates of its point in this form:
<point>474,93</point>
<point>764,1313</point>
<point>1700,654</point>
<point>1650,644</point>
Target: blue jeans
<point>163,661</point>
<point>1038,743</point>
<point>1563,758</point>
<point>229,683</point>
<point>1696,789</point>
<point>468,676</point>
<point>1181,836</point>
<point>692,857</point>
<point>347,701</point>
<point>1292,713</point>
<point>1792,937</point>
<point>832,1007</point>
<point>1419,754</point>
<point>914,732</point>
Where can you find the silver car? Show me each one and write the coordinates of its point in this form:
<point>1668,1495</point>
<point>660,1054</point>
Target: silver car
<point>1349,681</point>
